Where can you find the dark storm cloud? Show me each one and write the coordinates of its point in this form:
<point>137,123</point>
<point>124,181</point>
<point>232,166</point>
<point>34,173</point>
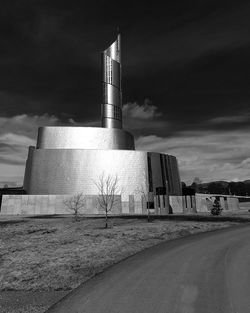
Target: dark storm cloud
<point>190,58</point>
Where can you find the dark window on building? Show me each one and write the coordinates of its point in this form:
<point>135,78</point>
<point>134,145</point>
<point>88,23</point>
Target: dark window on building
<point>160,191</point>
<point>150,205</point>
<point>163,170</point>
<point>158,200</point>
<point>117,112</point>
<point>150,179</point>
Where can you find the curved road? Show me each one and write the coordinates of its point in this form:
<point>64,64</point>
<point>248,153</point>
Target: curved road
<point>204,273</point>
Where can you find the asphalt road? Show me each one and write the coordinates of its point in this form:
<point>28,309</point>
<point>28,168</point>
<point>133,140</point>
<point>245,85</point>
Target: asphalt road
<point>204,273</point>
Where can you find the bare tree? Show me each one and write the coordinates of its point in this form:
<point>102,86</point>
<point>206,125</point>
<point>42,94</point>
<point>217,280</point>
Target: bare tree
<point>75,204</point>
<point>108,190</point>
<point>143,190</point>
<point>197,180</point>
<point>197,184</point>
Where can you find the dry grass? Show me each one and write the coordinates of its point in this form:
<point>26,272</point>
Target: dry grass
<point>59,254</point>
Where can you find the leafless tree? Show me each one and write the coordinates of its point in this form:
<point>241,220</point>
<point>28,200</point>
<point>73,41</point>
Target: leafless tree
<point>75,204</point>
<point>197,180</point>
<point>143,191</point>
<point>108,190</point>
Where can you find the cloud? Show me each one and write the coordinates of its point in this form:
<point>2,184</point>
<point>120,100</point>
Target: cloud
<point>246,161</point>
<point>208,155</point>
<point>231,119</point>
<point>13,150</point>
<point>142,118</point>
<point>145,111</point>
<point>26,125</point>
<point>17,133</point>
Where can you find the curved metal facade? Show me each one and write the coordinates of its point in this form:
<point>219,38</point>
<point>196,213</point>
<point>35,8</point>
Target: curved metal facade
<point>70,171</point>
<point>111,81</point>
<point>84,138</point>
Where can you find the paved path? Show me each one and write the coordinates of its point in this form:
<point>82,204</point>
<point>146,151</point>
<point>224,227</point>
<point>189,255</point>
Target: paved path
<point>205,273</point>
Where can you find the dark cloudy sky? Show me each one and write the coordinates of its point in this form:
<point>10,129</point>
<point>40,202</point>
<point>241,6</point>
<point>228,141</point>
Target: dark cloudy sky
<point>186,78</point>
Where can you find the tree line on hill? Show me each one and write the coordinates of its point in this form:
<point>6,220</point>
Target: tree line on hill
<point>241,188</point>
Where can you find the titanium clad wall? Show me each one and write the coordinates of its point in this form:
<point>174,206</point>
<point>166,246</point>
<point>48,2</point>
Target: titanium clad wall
<point>58,171</point>
<point>70,171</point>
<point>84,138</point>
<point>111,95</point>
<point>111,81</point>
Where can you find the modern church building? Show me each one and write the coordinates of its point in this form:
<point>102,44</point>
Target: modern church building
<point>69,160</point>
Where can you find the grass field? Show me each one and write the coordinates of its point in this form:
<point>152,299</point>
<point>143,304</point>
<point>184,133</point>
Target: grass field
<point>57,254</point>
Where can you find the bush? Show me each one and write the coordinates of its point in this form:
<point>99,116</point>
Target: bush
<point>216,208</point>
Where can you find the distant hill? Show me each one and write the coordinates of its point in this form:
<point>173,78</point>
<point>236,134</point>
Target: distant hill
<point>240,188</point>
<point>9,184</point>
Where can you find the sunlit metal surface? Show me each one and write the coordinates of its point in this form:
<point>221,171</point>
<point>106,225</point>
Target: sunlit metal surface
<point>84,138</point>
<point>70,171</point>
<point>112,94</point>
<point>114,50</point>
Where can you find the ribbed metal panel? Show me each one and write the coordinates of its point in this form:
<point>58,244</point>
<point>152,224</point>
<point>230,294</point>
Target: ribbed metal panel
<point>111,95</point>
<point>111,80</point>
<point>84,138</point>
<point>69,171</point>
<point>65,171</point>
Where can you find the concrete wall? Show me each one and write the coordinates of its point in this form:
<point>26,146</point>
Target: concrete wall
<point>233,204</point>
<point>163,205</point>
<point>176,204</point>
<point>204,202</point>
<point>244,205</point>
<point>189,204</point>
<point>50,204</point>
<point>54,204</point>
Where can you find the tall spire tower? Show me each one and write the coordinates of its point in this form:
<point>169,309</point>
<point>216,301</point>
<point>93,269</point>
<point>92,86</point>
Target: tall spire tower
<point>111,81</point>
<point>67,158</point>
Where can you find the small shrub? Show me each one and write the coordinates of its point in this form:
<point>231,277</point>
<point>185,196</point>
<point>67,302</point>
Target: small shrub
<point>75,204</point>
<point>216,208</point>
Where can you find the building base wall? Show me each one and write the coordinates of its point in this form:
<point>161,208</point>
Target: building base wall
<point>54,204</point>
<point>49,205</point>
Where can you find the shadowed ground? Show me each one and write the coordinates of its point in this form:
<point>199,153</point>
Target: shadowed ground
<point>203,273</point>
